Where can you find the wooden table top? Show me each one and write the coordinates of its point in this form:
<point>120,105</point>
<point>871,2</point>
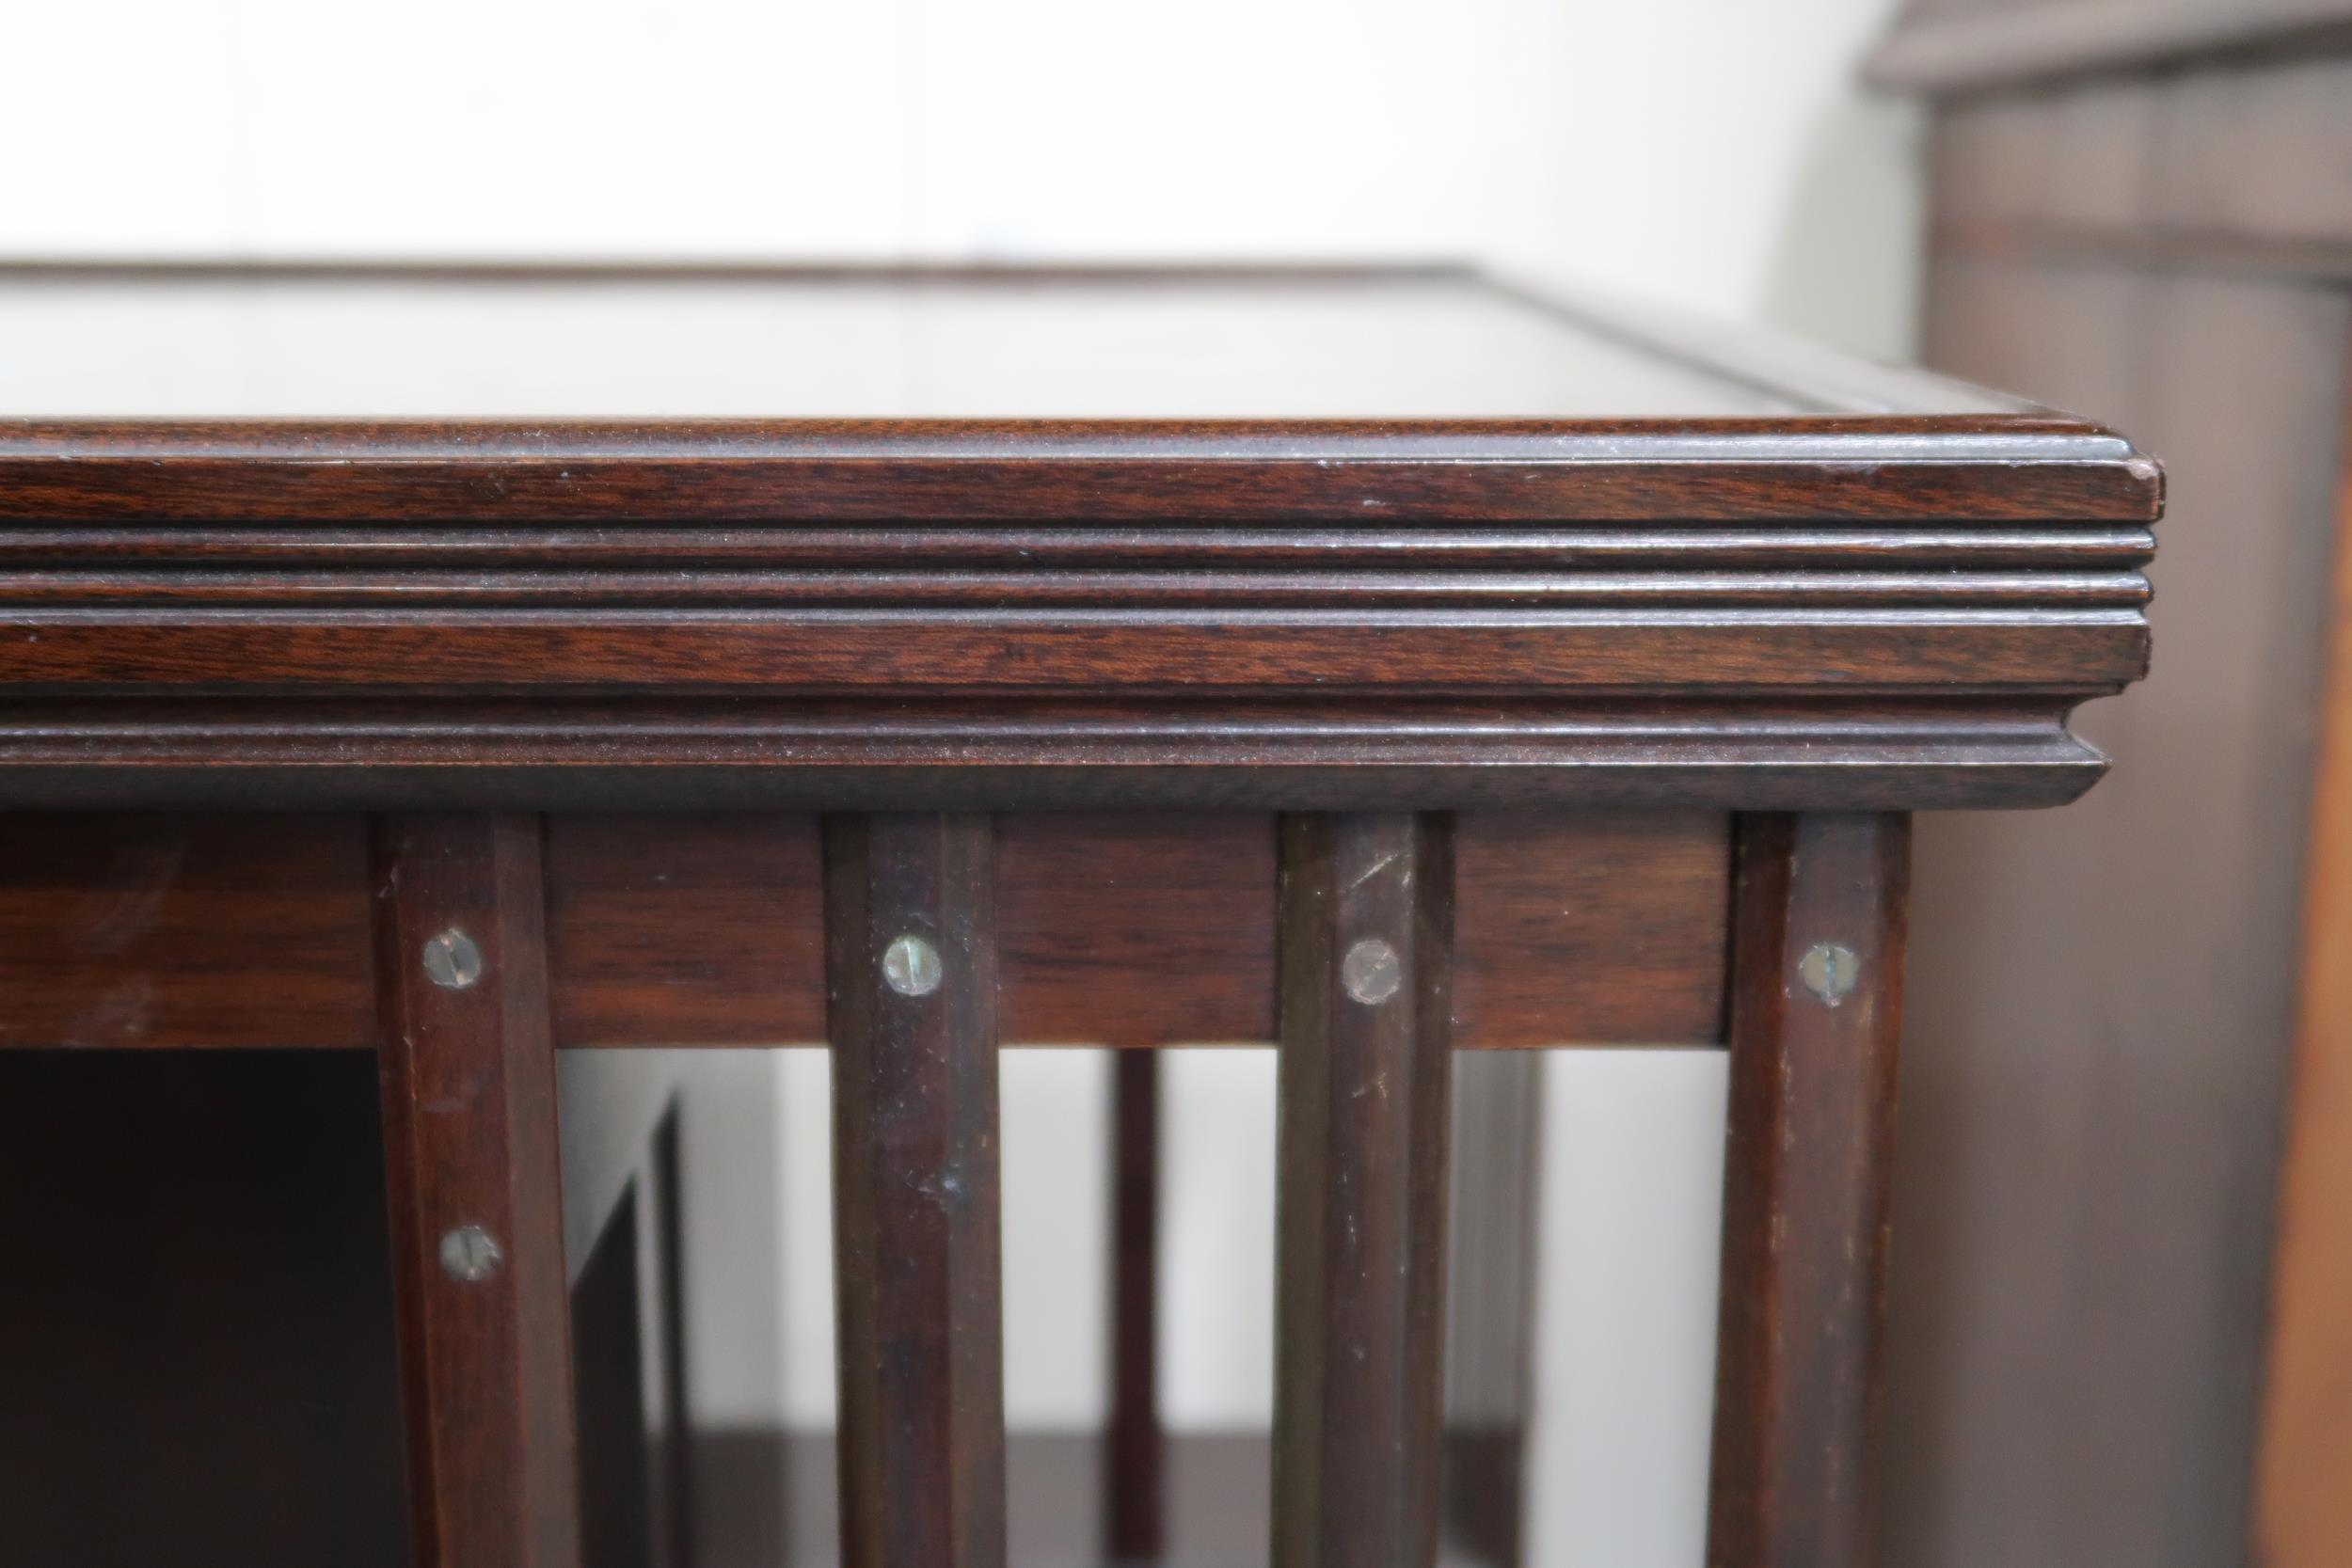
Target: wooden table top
<point>1314,536</point>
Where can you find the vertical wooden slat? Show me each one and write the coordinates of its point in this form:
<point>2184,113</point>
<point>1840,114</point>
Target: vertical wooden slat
<point>674,1474</point>
<point>1366,938</point>
<point>1133,1523</point>
<point>475,1190</point>
<point>1815,1010</point>
<point>915,1189</point>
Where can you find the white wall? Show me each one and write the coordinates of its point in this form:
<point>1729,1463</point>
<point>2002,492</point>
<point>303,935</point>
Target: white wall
<point>1710,152</point>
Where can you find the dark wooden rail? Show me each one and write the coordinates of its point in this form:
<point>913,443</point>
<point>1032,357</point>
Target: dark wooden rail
<point>1598,929</point>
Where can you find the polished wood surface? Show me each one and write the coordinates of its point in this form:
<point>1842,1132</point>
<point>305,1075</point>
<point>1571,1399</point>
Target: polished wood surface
<point>1060,585</point>
<point>1815,1010</point>
<point>917,1254</point>
<point>1309,587</point>
<point>2022,467</point>
<point>470,1151</point>
<point>1367,934</point>
<point>152,930</point>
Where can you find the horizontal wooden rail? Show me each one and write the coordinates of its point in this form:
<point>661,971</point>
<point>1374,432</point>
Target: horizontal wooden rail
<point>251,930</point>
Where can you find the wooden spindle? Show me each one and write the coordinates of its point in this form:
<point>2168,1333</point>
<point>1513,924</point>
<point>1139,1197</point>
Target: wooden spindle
<point>1135,1457</point>
<point>674,1469</point>
<point>1816,1009</point>
<point>475,1190</point>
<point>1366,936</point>
<point>911,977</point>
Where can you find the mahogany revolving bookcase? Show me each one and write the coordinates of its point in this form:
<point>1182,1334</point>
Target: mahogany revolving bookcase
<point>470,669</point>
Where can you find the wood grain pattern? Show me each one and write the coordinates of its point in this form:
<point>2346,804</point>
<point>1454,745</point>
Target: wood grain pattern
<point>470,1140</point>
<point>1314,609</point>
<point>1567,930</point>
<point>1365,1071</point>
<point>917,1227</point>
<point>1807,1167</point>
<point>2035,466</point>
<point>163,929</point>
<point>250,931</point>
<point>642,563</point>
<point>696,930</point>
<point>1707,576</point>
<point>1137,930</point>
<point>820,653</point>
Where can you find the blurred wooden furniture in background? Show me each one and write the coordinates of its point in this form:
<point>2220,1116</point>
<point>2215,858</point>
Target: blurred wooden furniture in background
<point>2142,209</point>
<point>1387,665</point>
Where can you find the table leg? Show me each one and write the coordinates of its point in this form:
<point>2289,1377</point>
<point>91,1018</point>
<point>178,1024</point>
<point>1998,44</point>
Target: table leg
<point>1816,1009</point>
<point>673,1510</point>
<point>467,1071</point>
<point>1135,1462</point>
<point>1366,939</point>
<point>911,977</point>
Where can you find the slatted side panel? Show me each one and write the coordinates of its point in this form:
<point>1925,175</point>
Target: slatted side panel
<point>1384,939</point>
